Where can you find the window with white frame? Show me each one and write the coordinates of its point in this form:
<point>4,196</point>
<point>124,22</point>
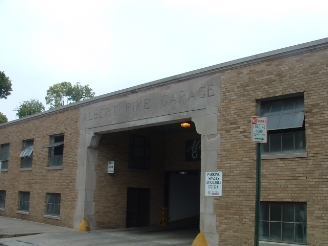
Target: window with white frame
<point>4,156</point>
<point>283,222</point>
<point>53,204</point>
<point>2,199</point>
<point>56,150</point>
<point>286,128</point>
<point>24,201</point>
<point>27,153</point>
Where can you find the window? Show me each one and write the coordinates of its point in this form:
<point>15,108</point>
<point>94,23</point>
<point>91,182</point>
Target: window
<point>27,154</point>
<point>286,129</point>
<point>4,156</point>
<point>139,153</point>
<point>53,204</point>
<point>2,199</point>
<point>283,222</point>
<point>56,150</point>
<point>24,201</point>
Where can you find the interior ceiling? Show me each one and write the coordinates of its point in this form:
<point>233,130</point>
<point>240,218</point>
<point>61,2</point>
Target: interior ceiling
<point>171,128</point>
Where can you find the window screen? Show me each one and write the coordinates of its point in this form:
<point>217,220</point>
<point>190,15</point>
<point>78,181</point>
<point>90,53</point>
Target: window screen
<point>27,153</point>
<point>283,113</point>
<point>53,204</point>
<point>4,157</point>
<point>283,222</point>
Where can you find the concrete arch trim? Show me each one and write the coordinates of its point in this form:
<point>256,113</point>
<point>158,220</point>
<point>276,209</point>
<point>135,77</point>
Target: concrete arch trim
<point>206,121</point>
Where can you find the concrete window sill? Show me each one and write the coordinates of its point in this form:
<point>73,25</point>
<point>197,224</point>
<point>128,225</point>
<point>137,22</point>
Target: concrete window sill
<point>284,156</point>
<point>264,243</point>
<point>23,212</point>
<point>25,169</point>
<point>55,168</point>
<point>4,170</point>
<point>51,217</point>
<point>2,209</point>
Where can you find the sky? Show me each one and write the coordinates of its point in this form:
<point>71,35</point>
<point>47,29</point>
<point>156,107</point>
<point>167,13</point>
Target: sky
<point>116,44</point>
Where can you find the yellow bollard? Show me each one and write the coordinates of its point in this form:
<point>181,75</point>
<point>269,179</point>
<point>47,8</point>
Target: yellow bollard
<point>84,225</point>
<point>200,240</point>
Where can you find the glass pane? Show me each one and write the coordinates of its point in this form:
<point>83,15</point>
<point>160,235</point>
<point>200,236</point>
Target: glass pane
<point>288,212</point>
<point>299,103</point>
<point>4,165</point>
<point>300,212</point>
<point>275,143</point>
<point>275,231</point>
<point>288,232</point>
<point>273,121</point>
<point>297,120</point>
<point>300,144</point>
<point>264,213</point>
<point>264,230</point>
<point>288,142</point>
<point>275,212</point>
<point>288,104</point>
<point>265,108</point>
<point>300,233</point>
<point>276,106</point>
<point>265,147</point>
<point>285,121</point>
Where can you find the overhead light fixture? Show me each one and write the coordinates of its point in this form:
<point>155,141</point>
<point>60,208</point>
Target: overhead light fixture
<point>185,124</point>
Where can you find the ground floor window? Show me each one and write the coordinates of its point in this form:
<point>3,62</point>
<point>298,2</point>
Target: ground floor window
<point>24,201</point>
<point>283,222</point>
<point>2,199</point>
<point>53,204</point>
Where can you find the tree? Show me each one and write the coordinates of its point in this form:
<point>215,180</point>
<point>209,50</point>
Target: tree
<point>3,118</point>
<point>5,85</point>
<point>64,93</point>
<point>30,107</point>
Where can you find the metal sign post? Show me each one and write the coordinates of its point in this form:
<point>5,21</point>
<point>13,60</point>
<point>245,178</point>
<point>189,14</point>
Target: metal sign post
<point>259,135</point>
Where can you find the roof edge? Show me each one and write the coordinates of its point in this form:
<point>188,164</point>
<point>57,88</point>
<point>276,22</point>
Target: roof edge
<point>242,62</point>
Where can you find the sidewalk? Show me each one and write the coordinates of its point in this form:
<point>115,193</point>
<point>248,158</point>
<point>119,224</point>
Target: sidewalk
<point>11,227</point>
<point>15,232</point>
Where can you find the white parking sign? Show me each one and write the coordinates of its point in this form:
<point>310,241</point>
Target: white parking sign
<point>259,129</point>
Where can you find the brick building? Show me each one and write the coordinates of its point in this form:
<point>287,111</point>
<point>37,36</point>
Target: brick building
<point>55,165</point>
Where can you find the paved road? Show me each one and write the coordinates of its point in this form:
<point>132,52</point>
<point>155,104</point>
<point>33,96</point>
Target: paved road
<point>54,235</point>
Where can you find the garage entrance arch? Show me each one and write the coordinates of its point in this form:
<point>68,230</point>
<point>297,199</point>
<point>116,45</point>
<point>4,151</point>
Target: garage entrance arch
<point>161,102</point>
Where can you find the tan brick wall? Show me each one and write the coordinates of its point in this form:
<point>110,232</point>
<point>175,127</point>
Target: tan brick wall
<point>39,180</point>
<point>295,179</point>
<point>111,189</point>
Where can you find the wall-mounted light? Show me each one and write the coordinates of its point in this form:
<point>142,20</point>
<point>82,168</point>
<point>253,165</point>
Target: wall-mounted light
<point>185,124</point>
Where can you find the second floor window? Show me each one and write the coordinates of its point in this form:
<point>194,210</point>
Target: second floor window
<point>27,154</point>
<point>4,156</point>
<point>56,150</point>
<point>286,128</point>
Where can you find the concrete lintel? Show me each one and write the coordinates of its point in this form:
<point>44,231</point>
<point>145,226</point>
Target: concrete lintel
<point>206,124</point>
<point>210,142</point>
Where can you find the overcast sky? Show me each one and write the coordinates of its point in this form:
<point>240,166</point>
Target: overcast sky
<point>116,44</point>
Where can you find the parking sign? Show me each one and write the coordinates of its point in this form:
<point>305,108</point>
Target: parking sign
<point>259,129</point>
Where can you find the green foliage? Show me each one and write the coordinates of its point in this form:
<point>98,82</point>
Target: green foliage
<point>5,85</point>
<point>30,107</point>
<point>65,91</point>
<point>3,118</point>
